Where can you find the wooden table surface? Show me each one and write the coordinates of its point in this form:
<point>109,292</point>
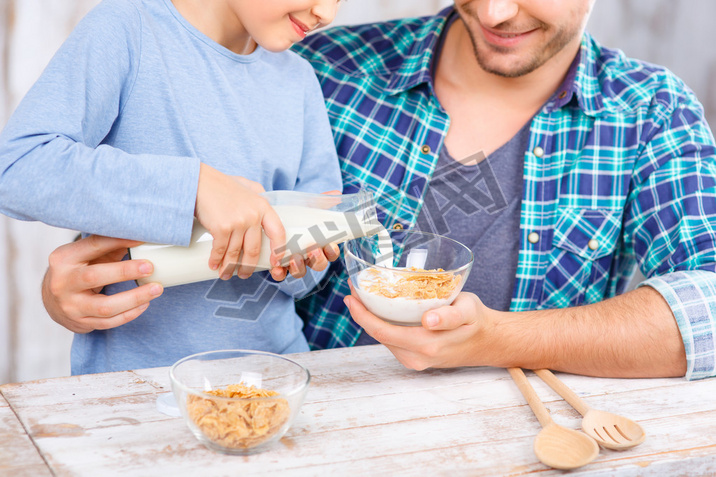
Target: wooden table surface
<point>364,414</point>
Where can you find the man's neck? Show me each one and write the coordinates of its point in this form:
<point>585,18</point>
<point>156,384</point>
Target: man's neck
<point>458,66</point>
<point>486,110</point>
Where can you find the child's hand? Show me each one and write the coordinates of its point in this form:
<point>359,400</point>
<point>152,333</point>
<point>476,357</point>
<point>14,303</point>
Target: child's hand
<point>234,213</point>
<point>317,260</point>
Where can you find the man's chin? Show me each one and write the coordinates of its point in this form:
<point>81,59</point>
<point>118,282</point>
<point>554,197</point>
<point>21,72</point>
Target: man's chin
<point>507,69</point>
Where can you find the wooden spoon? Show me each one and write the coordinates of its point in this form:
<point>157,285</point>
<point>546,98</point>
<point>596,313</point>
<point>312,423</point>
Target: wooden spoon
<point>556,446</point>
<point>609,430</point>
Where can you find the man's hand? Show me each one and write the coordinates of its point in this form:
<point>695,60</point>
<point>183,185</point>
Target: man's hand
<point>77,273</point>
<point>447,338</point>
<point>632,335</point>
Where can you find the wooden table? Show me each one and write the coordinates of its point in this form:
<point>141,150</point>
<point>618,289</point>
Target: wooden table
<point>364,414</point>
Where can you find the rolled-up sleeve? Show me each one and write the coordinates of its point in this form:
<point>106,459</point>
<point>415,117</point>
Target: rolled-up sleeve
<point>673,224</point>
<point>692,297</point>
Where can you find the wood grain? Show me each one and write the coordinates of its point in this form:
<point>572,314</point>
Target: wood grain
<point>18,455</point>
<point>368,415</point>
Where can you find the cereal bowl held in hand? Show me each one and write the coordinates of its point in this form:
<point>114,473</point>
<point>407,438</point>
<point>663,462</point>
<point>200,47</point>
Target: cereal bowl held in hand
<point>238,401</point>
<point>400,279</point>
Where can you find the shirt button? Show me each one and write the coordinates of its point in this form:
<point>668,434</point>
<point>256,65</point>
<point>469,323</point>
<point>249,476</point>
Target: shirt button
<point>398,226</point>
<point>593,244</point>
<point>425,149</point>
<point>538,151</point>
<point>562,95</point>
<point>533,237</point>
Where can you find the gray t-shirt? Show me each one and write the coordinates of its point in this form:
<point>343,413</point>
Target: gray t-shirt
<point>479,206</point>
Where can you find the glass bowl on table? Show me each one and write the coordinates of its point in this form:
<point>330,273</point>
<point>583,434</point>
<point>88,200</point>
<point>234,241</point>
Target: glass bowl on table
<point>238,401</point>
<point>401,275</point>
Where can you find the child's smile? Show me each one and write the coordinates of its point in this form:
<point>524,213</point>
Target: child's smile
<point>301,29</point>
<point>240,25</point>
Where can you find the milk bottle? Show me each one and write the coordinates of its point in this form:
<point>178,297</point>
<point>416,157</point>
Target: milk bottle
<point>310,221</point>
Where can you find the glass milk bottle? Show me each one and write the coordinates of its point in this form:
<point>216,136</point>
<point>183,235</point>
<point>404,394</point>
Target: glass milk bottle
<point>310,220</point>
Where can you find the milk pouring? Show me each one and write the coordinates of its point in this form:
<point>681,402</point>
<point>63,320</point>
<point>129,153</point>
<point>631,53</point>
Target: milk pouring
<point>310,221</point>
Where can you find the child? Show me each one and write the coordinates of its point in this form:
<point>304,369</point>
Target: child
<point>156,111</point>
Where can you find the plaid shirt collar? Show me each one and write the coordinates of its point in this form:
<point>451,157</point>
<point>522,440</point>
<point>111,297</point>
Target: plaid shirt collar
<point>580,83</point>
<point>417,66</point>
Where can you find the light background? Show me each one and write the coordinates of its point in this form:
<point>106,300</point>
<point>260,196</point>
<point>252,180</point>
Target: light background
<point>668,32</point>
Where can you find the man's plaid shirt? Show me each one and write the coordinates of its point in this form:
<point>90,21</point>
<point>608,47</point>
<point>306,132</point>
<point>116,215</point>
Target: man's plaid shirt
<point>620,172</point>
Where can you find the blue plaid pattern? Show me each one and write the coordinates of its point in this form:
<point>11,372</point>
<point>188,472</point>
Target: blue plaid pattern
<point>620,173</point>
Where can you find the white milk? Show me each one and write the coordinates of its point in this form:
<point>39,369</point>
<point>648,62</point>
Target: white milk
<point>384,258</point>
<point>306,227</point>
<point>398,310</point>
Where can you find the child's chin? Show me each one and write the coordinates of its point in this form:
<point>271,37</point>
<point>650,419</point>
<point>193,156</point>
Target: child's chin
<point>277,48</point>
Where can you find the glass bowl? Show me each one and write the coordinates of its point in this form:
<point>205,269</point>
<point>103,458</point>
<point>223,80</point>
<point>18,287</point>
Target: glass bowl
<point>424,271</point>
<point>238,401</point>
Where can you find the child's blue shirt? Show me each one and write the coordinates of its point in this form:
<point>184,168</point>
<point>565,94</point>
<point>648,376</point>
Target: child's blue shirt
<point>110,139</point>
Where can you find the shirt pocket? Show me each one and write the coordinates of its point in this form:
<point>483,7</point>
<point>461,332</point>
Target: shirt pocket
<point>579,264</point>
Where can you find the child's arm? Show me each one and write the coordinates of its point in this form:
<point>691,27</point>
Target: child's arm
<point>56,164</point>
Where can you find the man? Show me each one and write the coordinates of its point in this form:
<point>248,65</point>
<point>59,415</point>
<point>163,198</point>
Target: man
<point>618,171</point>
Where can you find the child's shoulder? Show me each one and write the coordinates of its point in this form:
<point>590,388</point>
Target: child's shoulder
<point>112,14</point>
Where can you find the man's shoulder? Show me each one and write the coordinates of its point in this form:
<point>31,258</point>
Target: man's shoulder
<point>369,49</point>
<point>626,83</point>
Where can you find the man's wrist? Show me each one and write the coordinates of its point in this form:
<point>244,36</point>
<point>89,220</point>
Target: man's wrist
<point>518,339</point>
<point>498,341</point>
